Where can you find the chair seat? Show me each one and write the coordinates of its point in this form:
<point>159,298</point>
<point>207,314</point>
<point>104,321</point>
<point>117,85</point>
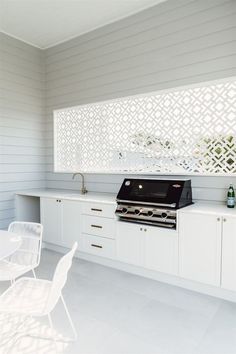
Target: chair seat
<point>26,296</point>
<point>10,270</point>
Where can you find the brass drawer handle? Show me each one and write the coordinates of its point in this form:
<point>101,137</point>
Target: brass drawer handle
<point>95,209</point>
<point>97,226</point>
<point>97,246</point>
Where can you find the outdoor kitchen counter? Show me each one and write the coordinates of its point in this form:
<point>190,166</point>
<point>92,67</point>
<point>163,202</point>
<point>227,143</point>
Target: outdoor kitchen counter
<point>209,208</point>
<point>197,207</point>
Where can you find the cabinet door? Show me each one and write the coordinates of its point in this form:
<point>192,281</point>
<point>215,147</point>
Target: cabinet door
<point>51,213</point>
<point>200,247</point>
<point>130,243</point>
<point>228,280</point>
<point>161,249</point>
<point>71,223</point>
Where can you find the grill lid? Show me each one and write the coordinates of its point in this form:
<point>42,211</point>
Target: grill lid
<point>169,193</point>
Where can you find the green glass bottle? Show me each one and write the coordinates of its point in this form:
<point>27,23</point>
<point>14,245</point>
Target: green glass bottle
<point>231,197</point>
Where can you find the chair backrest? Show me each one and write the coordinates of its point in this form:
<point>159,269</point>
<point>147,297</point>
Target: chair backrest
<point>60,278</point>
<point>29,252</point>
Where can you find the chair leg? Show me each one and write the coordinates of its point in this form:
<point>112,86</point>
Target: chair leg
<point>52,329</point>
<point>50,322</point>
<point>75,336</point>
<point>33,271</point>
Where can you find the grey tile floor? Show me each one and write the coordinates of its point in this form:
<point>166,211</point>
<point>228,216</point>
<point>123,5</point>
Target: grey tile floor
<point>119,313</point>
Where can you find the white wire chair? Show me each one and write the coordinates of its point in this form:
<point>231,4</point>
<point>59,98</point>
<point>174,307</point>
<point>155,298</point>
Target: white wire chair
<point>27,257</point>
<point>31,297</point>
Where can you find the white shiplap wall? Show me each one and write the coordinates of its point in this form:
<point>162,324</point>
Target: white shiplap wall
<point>174,43</point>
<point>22,122</point>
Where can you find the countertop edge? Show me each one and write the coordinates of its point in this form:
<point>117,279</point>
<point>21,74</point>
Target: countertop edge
<point>97,197</point>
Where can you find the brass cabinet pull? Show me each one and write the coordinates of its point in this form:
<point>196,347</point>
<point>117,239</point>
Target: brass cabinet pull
<point>97,226</point>
<point>95,209</point>
<point>97,246</point>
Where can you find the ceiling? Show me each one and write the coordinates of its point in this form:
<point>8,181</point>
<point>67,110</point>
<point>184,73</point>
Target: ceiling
<point>45,23</point>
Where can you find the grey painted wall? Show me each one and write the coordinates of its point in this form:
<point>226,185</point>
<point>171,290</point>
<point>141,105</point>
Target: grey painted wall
<point>22,122</point>
<point>172,44</point>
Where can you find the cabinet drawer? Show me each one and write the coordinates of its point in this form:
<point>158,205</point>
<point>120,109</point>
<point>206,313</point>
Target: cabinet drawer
<point>98,246</point>
<point>98,226</point>
<point>99,209</point>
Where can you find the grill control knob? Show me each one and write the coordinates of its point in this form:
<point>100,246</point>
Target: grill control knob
<point>164,215</point>
<point>137,211</point>
<point>150,213</point>
<point>124,210</point>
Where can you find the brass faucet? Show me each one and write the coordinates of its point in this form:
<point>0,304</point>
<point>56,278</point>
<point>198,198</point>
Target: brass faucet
<point>83,189</point>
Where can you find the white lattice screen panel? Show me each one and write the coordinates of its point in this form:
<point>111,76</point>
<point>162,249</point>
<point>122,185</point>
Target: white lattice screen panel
<point>189,130</point>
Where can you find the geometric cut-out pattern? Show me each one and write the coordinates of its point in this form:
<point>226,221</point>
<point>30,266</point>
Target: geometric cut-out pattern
<point>189,130</point>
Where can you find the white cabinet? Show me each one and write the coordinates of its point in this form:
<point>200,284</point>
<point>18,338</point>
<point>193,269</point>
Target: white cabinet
<point>200,247</point>
<point>61,221</point>
<point>51,215</point>
<point>130,243</point>
<point>202,250</point>
<point>161,249</point>
<point>99,246</point>
<point>228,280</point>
<point>99,226</point>
<point>148,246</point>
<point>99,229</point>
<point>99,209</point>
<point>71,223</point>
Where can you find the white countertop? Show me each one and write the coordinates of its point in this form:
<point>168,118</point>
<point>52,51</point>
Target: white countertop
<point>198,207</point>
<point>71,195</point>
<point>209,208</point>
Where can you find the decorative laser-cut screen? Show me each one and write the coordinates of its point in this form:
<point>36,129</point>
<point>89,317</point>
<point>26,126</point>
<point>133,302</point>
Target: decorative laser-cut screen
<point>189,130</point>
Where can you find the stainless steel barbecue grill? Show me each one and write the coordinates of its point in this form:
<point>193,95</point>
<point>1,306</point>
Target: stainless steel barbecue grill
<point>152,201</point>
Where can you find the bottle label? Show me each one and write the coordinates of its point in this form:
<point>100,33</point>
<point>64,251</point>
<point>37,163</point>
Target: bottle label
<point>230,201</point>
